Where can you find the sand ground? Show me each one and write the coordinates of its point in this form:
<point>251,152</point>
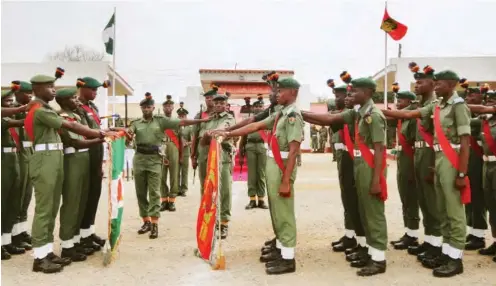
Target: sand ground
<point>169,260</point>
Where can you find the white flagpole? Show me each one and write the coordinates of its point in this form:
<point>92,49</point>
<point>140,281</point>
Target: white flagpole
<point>113,68</point>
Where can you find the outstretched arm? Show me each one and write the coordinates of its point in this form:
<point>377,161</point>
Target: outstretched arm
<point>187,122</point>
<point>84,130</point>
<point>9,111</point>
<point>402,114</point>
<point>15,123</point>
<point>242,123</point>
<point>480,109</point>
<point>250,128</point>
<point>322,118</point>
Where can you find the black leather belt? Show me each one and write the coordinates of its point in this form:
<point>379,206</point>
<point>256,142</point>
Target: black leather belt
<point>255,141</point>
<point>147,149</point>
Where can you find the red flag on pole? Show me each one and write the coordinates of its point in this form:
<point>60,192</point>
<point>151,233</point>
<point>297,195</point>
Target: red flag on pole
<point>394,28</point>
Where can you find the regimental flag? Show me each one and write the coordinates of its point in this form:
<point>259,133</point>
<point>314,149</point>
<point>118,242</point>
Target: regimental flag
<point>207,213</point>
<point>394,28</point>
<point>109,35</point>
<point>116,161</point>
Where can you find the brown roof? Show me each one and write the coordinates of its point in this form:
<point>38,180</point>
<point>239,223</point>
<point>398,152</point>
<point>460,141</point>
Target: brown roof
<point>244,71</point>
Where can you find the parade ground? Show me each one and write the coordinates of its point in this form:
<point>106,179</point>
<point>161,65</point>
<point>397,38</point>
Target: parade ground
<point>170,260</point>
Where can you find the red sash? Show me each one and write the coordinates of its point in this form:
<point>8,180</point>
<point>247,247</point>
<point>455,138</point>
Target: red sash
<point>429,138</point>
<point>93,114</point>
<point>265,135</point>
<point>405,146</point>
<point>173,137</point>
<point>274,146</point>
<point>29,121</point>
<point>368,157</point>
<point>344,134</point>
<point>450,153</point>
<point>15,136</point>
<point>204,115</point>
<point>476,147</point>
<point>491,143</point>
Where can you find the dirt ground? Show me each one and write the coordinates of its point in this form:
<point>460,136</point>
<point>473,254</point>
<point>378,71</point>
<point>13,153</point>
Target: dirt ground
<point>169,260</point>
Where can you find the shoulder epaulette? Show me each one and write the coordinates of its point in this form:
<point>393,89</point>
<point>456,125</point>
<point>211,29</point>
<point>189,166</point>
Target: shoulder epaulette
<point>458,100</point>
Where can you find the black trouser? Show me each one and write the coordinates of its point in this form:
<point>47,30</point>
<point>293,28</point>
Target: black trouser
<point>349,194</point>
<point>95,186</point>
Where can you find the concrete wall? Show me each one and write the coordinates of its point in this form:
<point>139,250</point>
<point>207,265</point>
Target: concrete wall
<point>480,69</point>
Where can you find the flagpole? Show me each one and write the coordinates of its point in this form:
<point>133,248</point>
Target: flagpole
<point>113,68</point>
<point>385,66</point>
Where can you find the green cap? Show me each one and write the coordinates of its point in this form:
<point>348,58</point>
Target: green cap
<point>220,97</point>
<point>211,92</point>
<point>182,111</point>
<point>168,100</point>
<point>66,92</point>
<point>341,88</point>
<point>364,82</point>
<point>473,90</point>
<point>288,83</point>
<point>6,92</point>
<point>148,100</point>
<point>490,94</point>
<point>446,75</point>
<point>25,86</point>
<point>38,79</point>
<point>88,82</point>
<point>406,94</point>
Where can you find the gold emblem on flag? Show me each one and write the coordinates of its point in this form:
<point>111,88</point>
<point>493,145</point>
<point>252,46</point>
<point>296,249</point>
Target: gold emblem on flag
<point>389,25</point>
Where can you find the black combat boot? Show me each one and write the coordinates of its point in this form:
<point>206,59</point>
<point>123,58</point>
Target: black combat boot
<point>72,254</point>
<point>406,243</point>
<point>45,265</point>
<point>337,241</point>
<point>475,243</point>
<point>268,247</point>
<point>84,250</point>
<point>262,205</point>
<point>469,237</point>
<point>490,251</point>
<point>352,250</point>
<point>251,205</point>
<point>271,256</point>
<point>393,242</point>
<point>281,266</point>
<point>5,254</point>
<point>98,240</point>
<point>362,252</point>
<point>18,240</point>
<point>89,243</point>
<point>431,253</point>
<point>450,268</point>
<point>26,237</point>
<point>146,227</point>
<point>416,250</point>
<point>435,262</point>
<point>14,250</point>
<point>164,206</point>
<point>172,206</point>
<point>224,231</point>
<point>362,261</point>
<point>373,268</point>
<point>57,260</point>
<point>346,243</point>
<point>154,231</point>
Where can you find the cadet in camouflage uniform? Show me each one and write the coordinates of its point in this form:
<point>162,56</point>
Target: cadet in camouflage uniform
<point>42,124</point>
<point>369,176</point>
<point>11,196</point>
<point>171,165</point>
<point>475,211</point>
<point>454,137</point>
<point>405,178</point>
<point>186,134</point>
<point>255,148</point>
<point>147,164</point>
<point>76,176</point>
<point>20,235</point>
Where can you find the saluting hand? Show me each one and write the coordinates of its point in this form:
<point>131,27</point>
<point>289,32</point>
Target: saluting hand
<point>284,190</point>
<point>460,183</point>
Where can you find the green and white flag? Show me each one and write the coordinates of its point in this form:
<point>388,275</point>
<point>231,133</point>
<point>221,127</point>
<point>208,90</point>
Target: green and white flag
<point>109,35</point>
<point>116,148</point>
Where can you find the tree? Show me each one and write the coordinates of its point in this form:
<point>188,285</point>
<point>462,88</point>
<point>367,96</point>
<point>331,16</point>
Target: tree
<point>77,53</point>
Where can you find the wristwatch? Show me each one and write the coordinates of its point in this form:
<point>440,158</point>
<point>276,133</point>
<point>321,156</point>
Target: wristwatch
<point>461,175</point>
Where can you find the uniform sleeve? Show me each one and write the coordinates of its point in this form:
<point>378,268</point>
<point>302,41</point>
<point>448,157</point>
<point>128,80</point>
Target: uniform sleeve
<point>5,124</point>
<point>348,116</point>
<point>168,123</point>
<point>294,129</point>
<point>427,111</point>
<point>262,115</point>
<point>377,128</point>
<point>462,119</point>
<point>66,137</point>
<point>132,128</point>
<point>269,121</point>
<point>49,118</point>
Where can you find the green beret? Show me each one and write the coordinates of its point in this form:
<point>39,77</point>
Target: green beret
<point>25,86</point>
<point>341,88</point>
<point>288,83</point>
<point>406,94</point>
<point>220,97</point>
<point>6,92</point>
<point>211,92</point>
<point>473,90</point>
<point>182,111</point>
<point>66,92</point>
<point>42,79</point>
<point>490,94</point>
<point>364,82</point>
<point>446,75</point>
<point>421,75</point>
<point>168,101</point>
<point>147,102</point>
<point>90,82</point>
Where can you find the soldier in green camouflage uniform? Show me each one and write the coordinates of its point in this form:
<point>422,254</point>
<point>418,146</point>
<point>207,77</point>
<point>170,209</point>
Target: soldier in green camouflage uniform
<point>323,138</point>
<point>186,134</point>
<point>20,235</point>
<point>314,136</point>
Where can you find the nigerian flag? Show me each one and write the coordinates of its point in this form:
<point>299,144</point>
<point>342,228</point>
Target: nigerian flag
<point>116,160</point>
<point>109,35</point>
